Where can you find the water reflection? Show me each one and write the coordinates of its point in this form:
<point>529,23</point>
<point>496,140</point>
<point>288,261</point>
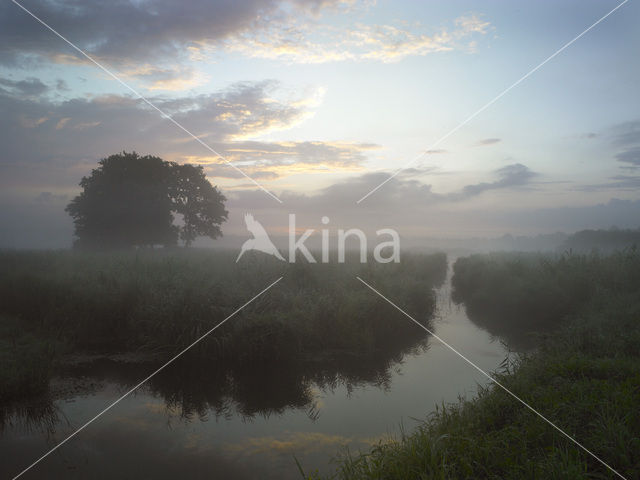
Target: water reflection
<point>199,419</point>
<point>513,335</point>
<point>194,389</point>
<point>193,393</point>
<point>500,325</point>
<point>37,416</point>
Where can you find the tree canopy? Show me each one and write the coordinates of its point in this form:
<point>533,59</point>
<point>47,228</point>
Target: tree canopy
<point>131,200</point>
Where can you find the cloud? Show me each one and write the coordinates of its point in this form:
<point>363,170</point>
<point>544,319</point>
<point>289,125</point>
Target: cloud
<point>487,141</point>
<point>627,133</point>
<point>471,23</point>
<point>320,154</point>
<point>631,156</point>
<point>222,170</point>
<point>273,160</point>
<point>62,122</point>
<point>510,176</point>
<point>162,43</point>
<point>52,144</point>
<point>123,31</point>
<point>400,195</point>
<point>30,87</point>
<point>62,86</point>
<point>297,42</point>
<point>617,182</point>
<point>419,171</point>
<point>167,78</point>
<point>627,136</point>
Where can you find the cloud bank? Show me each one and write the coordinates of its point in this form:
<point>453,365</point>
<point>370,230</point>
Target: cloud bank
<point>59,141</point>
<point>163,43</point>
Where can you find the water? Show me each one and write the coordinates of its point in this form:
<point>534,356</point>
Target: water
<point>202,423</point>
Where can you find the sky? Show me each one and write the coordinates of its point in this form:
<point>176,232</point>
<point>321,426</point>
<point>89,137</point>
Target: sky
<point>320,101</point>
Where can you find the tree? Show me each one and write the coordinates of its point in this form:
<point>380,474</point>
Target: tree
<point>130,200</point>
<point>200,204</point>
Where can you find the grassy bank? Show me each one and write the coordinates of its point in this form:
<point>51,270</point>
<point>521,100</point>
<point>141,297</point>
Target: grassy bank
<point>59,303</point>
<point>519,296</point>
<point>585,378</point>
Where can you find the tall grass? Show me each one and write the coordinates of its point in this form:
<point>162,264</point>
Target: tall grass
<point>163,300</point>
<point>585,379</point>
<point>512,294</point>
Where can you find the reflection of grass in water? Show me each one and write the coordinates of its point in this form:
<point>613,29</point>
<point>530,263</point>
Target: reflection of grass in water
<point>585,379</point>
<point>163,300</point>
<point>196,387</point>
<point>40,415</point>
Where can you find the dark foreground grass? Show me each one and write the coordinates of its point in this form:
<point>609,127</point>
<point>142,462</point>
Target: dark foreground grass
<point>25,360</point>
<point>585,379</point>
<point>161,301</point>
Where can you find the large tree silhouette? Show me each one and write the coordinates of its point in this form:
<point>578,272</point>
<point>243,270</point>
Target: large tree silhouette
<point>130,200</point>
<point>200,203</point>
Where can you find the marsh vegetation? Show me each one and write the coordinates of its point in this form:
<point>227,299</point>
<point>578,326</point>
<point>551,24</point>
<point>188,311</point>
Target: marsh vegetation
<point>96,319</point>
<point>58,305</point>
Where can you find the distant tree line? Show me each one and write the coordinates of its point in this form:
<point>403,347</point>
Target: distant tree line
<point>132,200</point>
<point>606,240</point>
